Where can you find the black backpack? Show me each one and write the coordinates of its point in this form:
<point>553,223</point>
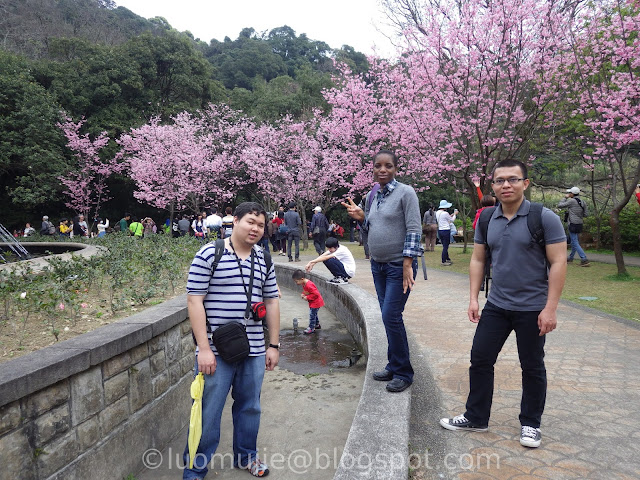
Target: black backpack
<point>534,223</point>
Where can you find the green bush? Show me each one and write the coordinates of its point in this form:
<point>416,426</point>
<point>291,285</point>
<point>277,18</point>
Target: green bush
<point>629,228</point>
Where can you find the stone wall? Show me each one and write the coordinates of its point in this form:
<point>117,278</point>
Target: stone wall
<point>91,406</point>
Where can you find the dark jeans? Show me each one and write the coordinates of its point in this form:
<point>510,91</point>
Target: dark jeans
<point>336,267</point>
<point>445,239</point>
<point>264,243</point>
<point>313,318</point>
<point>387,278</point>
<point>318,242</point>
<point>493,329</point>
<point>364,237</point>
<point>293,237</point>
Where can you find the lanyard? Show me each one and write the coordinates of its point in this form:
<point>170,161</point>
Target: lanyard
<point>248,291</point>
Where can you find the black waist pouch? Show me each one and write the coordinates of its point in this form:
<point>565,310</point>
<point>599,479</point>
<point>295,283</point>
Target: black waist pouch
<point>231,342</point>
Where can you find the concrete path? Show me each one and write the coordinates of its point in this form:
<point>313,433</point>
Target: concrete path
<point>590,424</point>
<point>592,414</point>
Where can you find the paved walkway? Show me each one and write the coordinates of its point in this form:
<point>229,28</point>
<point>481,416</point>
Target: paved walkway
<point>591,420</point>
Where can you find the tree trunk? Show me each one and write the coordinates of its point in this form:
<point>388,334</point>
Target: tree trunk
<point>614,221</point>
<point>172,209</point>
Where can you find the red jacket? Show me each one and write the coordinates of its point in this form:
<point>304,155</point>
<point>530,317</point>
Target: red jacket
<point>313,295</point>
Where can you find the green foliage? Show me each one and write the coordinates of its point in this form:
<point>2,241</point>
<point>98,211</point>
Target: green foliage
<point>629,228</point>
<point>135,270</point>
<point>30,143</point>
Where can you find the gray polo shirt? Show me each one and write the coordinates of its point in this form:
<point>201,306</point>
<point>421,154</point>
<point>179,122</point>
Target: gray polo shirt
<point>518,266</point>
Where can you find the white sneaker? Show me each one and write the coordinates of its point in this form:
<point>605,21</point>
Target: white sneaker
<point>530,437</point>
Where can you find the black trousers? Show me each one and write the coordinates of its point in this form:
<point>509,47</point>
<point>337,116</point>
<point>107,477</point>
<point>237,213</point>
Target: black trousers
<point>493,330</point>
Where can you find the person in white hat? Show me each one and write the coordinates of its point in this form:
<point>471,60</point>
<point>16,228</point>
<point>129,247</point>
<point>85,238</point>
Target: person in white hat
<point>576,211</point>
<point>444,229</point>
<point>319,227</point>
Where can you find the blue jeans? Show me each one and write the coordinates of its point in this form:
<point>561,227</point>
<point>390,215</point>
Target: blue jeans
<point>244,378</point>
<point>575,247</point>
<point>445,239</point>
<point>336,267</point>
<point>264,243</point>
<point>492,331</point>
<point>313,318</point>
<point>387,277</point>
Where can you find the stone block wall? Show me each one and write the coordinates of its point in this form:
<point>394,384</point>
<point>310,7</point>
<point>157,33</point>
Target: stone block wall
<point>91,406</point>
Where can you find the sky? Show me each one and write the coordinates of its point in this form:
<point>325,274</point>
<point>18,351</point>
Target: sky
<point>358,23</point>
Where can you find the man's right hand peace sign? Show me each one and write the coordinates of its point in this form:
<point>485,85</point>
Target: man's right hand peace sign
<point>353,210</point>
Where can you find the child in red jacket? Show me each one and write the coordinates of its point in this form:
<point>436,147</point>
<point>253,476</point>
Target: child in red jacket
<point>311,294</point>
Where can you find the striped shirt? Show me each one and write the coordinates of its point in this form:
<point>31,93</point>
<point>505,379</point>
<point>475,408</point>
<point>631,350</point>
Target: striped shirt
<point>225,293</point>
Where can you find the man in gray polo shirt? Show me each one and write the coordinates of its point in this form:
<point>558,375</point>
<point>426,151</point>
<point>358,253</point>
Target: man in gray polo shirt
<point>526,286</point>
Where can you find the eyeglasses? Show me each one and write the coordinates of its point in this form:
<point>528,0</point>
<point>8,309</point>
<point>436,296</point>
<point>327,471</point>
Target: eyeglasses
<point>512,181</point>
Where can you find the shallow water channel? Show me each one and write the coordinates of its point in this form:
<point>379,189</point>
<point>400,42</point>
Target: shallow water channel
<point>329,348</point>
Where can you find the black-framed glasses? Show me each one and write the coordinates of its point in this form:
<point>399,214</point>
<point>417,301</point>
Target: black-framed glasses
<point>512,181</point>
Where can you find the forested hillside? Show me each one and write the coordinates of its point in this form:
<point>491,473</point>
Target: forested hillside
<point>93,59</point>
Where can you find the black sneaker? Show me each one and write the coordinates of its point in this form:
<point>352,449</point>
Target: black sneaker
<point>569,260</point>
<point>530,437</point>
<point>461,423</point>
<point>338,281</point>
<point>383,376</point>
<point>318,327</point>
<point>584,263</point>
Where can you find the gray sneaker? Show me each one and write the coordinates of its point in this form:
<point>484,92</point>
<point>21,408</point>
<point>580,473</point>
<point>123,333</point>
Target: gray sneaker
<point>461,423</point>
<point>530,437</point>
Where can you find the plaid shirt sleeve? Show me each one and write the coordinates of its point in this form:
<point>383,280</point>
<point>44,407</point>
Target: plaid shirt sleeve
<point>412,246</point>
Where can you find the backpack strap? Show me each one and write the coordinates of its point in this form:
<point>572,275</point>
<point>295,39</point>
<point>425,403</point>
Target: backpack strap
<point>483,222</point>
<point>372,195</point>
<point>218,255</point>
<point>534,222</point>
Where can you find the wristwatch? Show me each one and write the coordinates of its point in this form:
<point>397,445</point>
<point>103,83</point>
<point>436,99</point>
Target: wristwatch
<point>276,346</point>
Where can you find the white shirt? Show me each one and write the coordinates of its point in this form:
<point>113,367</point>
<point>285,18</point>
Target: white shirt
<point>213,221</point>
<point>343,254</point>
<point>444,219</point>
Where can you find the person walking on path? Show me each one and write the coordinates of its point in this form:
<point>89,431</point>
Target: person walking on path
<point>338,259</point>
<point>293,222</point>
<point>319,226</point>
<point>444,229</point>
<point>392,219</point>
<point>430,229</point>
<point>241,278</point>
<point>311,294</point>
<point>576,211</point>
<point>526,288</point>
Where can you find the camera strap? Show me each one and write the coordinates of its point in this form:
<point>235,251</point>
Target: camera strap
<point>248,291</point>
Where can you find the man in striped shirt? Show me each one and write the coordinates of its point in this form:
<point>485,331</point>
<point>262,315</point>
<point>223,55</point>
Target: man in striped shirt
<point>214,301</point>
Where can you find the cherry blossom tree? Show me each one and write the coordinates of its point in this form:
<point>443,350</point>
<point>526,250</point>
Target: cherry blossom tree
<point>86,186</point>
<point>470,88</point>
<point>604,79</point>
<point>187,163</point>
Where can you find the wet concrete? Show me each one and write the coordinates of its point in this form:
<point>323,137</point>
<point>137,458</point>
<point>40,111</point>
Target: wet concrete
<point>308,404</point>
